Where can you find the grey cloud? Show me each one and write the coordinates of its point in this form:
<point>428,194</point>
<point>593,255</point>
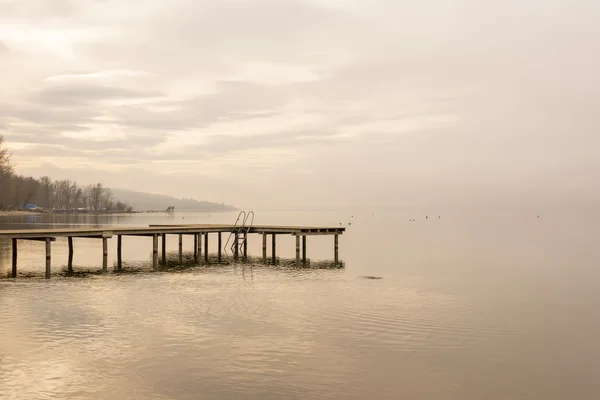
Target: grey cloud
<point>234,101</point>
<point>49,115</point>
<point>136,145</point>
<point>77,94</point>
<point>53,134</point>
<point>134,150</point>
<point>68,152</point>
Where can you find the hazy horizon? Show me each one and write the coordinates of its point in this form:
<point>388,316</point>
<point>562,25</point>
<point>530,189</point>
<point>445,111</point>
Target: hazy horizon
<point>308,103</point>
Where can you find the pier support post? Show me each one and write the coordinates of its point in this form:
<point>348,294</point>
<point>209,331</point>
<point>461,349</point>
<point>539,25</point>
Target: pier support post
<point>335,247</point>
<point>206,247</point>
<point>264,248</point>
<point>236,247</point>
<point>104,254</point>
<point>200,248</point>
<point>304,249</point>
<point>180,249</point>
<point>119,252</point>
<point>48,258</point>
<point>155,251</point>
<point>70,261</point>
<point>246,248</point>
<point>14,258</point>
<point>195,248</point>
<point>274,248</point>
<point>164,248</point>
<point>297,250</point>
<point>220,247</point>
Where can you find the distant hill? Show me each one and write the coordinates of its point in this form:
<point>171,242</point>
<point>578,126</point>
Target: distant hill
<point>149,201</point>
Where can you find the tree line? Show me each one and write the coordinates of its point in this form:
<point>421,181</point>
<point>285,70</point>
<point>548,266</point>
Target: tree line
<point>17,191</point>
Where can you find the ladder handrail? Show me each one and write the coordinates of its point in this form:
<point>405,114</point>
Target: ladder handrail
<point>235,226</point>
<point>243,228</point>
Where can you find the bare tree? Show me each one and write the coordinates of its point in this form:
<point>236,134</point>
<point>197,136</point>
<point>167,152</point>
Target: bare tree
<point>30,188</point>
<point>107,199</point>
<point>47,192</point>
<point>96,196</point>
<point>17,191</point>
<point>5,162</point>
<point>77,196</point>
<point>6,172</point>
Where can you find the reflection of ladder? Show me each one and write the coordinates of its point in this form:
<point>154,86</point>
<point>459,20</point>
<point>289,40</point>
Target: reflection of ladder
<point>239,234</point>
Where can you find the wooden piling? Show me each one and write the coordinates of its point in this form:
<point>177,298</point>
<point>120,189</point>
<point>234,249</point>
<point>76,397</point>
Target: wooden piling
<point>119,252</point>
<point>104,254</point>
<point>180,249</point>
<point>264,248</point>
<point>206,247</point>
<point>164,248</point>
<point>14,258</point>
<point>70,261</point>
<point>195,248</point>
<point>297,250</point>
<point>220,247</point>
<point>336,246</point>
<point>304,249</point>
<point>245,248</point>
<point>236,247</point>
<point>274,248</point>
<point>48,257</point>
<point>155,252</point>
<point>200,248</point>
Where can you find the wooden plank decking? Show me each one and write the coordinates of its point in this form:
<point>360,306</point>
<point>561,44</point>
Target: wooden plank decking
<point>151,230</point>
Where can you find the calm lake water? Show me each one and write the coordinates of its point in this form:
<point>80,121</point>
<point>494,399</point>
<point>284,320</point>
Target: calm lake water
<point>485,306</point>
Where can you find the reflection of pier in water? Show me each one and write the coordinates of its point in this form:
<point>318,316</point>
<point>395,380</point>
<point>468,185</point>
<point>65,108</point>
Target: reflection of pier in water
<point>200,233</point>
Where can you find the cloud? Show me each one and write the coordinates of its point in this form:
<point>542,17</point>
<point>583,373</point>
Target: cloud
<point>416,92</point>
<point>82,94</point>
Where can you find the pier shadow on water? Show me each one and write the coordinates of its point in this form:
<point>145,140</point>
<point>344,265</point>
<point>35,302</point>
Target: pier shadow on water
<point>188,264</point>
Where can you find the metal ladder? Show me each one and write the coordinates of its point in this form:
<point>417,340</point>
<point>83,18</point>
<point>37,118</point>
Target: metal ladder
<point>241,228</point>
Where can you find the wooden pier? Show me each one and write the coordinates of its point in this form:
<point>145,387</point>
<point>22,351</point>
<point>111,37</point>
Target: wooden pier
<point>239,235</point>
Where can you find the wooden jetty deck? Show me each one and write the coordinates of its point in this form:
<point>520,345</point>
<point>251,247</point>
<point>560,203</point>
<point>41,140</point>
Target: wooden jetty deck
<point>201,232</point>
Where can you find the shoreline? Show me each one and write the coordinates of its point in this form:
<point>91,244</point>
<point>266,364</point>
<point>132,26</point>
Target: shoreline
<point>17,213</point>
<point>21,213</point>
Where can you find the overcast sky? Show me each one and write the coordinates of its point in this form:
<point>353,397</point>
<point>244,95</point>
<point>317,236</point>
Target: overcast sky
<point>307,102</point>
